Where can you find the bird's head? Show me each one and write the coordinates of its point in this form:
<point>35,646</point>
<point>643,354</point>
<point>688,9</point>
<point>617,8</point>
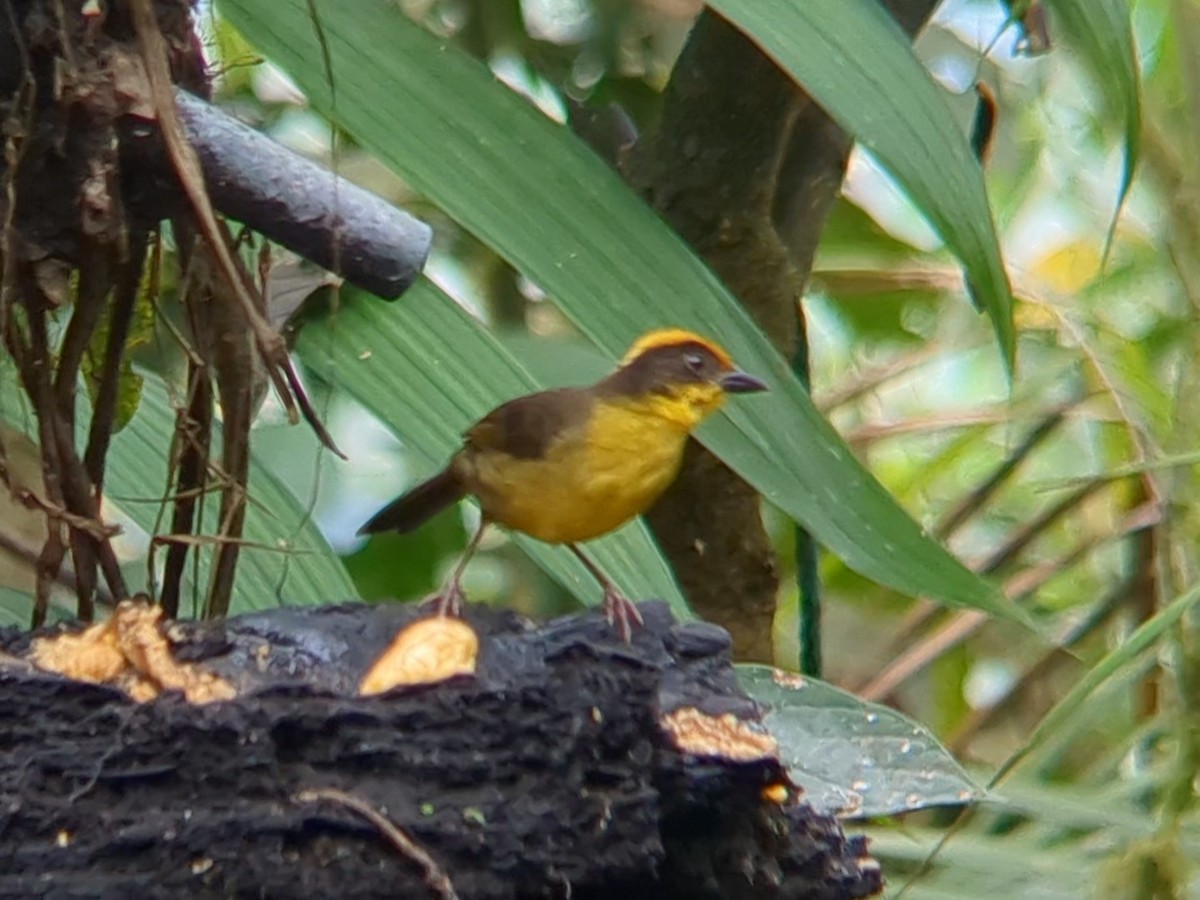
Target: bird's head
<point>681,375</point>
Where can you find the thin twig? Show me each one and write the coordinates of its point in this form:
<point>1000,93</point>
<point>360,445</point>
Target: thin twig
<point>120,317</point>
<point>875,377</point>
<point>963,624</point>
<point>213,540</point>
<point>1145,446</point>
<point>33,363</point>
<point>221,338</point>
<point>74,490</point>
<point>16,129</point>
<point>1035,673</point>
<point>435,876</point>
<point>90,526</point>
<point>976,498</point>
<point>193,431</point>
<point>929,424</point>
<point>85,316</point>
<point>924,611</point>
<point>1016,543</point>
<point>852,282</point>
<point>78,493</point>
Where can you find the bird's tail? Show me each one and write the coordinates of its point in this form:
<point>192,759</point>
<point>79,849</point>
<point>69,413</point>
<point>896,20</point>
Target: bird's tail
<point>419,505</point>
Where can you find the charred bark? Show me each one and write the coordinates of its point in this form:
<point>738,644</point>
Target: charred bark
<point>546,773</point>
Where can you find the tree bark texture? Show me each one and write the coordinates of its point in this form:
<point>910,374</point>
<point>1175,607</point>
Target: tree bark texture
<point>746,168</point>
<point>546,773</point>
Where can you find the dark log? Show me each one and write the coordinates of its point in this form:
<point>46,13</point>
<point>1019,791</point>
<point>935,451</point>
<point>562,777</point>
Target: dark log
<point>544,774</point>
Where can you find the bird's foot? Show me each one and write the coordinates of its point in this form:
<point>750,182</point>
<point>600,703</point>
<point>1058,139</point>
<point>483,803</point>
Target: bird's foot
<point>448,602</point>
<point>621,613</point>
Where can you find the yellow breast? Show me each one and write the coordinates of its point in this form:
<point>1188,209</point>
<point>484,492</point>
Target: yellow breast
<point>592,480</point>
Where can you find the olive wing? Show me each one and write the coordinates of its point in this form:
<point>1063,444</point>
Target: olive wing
<point>526,428</point>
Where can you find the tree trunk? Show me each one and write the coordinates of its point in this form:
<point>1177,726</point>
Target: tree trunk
<point>746,168</point>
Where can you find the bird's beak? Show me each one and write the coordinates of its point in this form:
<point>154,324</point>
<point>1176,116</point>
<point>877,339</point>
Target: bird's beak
<point>736,382</point>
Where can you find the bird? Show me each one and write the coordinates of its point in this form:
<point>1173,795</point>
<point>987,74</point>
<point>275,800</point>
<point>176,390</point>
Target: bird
<point>574,463</point>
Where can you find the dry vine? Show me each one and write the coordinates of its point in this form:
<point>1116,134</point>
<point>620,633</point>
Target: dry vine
<point>86,183</point>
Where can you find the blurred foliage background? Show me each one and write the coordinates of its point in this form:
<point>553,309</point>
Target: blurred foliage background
<point>1072,485</point>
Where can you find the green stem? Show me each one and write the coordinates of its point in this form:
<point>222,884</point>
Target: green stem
<point>808,583</point>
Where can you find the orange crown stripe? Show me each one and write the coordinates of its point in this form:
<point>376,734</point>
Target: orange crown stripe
<point>674,337</point>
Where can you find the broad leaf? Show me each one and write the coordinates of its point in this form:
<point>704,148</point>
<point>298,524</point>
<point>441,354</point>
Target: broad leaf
<point>854,759</point>
<point>545,202</point>
<point>1103,32</point>
<point>17,606</point>
<point>973,866</point>
<point>856,62</point>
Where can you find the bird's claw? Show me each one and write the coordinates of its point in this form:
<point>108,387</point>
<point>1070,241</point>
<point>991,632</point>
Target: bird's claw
<point>447,603</point>
<point>621,613</point>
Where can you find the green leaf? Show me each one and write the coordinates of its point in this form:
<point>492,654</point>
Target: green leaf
<point>853,758</point>
<point>852,238</point>
<point>129,383</point>
<point>857,63</point>
<point>374,568</point>
<point>1137,643</point>
<point>1078,806</point>
<point>291,564</point>
<point>531,190</point>
<point>16,608</point>
<point>429,370</point>
<point>974,866</point>
<point>1102,30</point>
<point>561,360</point>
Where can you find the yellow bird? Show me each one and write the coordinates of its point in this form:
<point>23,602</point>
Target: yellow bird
<point>571,464</point>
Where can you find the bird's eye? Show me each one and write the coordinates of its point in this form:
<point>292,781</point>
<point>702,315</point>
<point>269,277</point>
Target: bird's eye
<point>694,361</point>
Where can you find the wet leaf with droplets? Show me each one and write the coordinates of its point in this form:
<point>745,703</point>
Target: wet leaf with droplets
<point>855,759</point>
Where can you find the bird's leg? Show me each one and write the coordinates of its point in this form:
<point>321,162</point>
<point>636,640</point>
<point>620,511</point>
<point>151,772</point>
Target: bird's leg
<point>619,609</point>
<point>449,601</point>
